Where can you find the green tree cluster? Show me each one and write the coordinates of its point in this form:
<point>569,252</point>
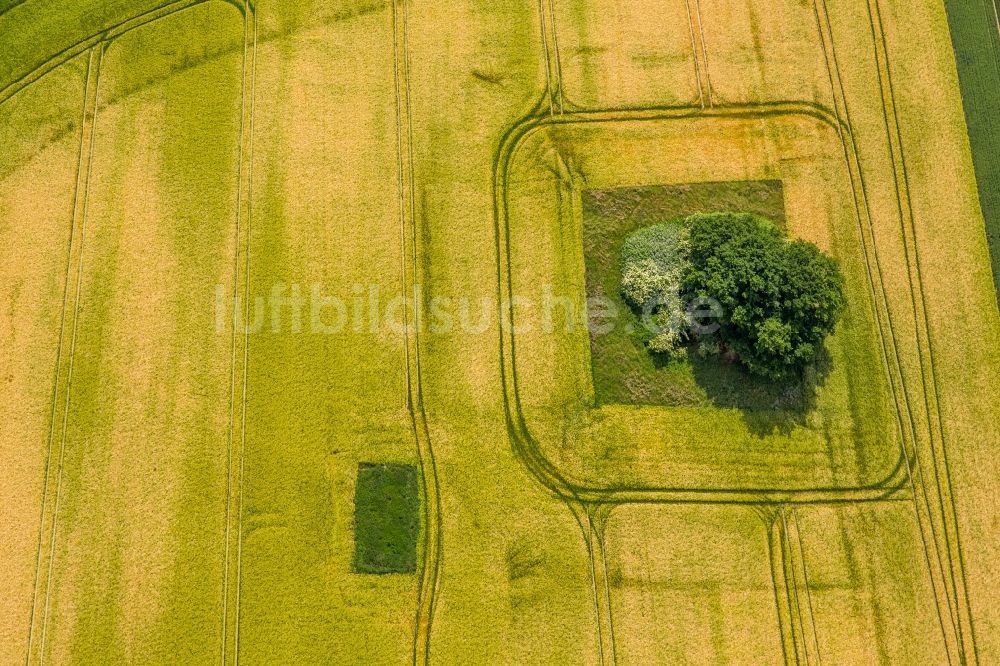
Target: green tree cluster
<point>777,299</point>
<point>780,298</point>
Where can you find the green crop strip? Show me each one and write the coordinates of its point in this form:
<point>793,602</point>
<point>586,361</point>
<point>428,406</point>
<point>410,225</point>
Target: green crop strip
<point>975,35</point>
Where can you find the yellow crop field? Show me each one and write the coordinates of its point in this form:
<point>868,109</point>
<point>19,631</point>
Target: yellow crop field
<point>315,347</point>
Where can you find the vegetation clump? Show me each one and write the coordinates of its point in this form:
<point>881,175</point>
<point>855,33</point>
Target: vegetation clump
<point>654,261</point>
<point>775,300</point>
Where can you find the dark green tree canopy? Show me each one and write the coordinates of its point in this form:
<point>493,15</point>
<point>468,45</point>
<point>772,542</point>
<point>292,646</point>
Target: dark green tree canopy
<point>780,298</point>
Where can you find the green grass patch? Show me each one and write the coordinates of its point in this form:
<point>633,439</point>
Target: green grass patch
<point>624,372</point>
<point>973,25</point>
<point>386,519</point>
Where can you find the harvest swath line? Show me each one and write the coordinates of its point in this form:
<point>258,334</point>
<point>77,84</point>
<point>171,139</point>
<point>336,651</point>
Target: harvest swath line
<point>704,50</point>
<point>603,512</point>
<point>431,561</point>
<point>94,70</point>
<point>694,54</point>
<point>79,186</point>
<point>926,350</point>
<point>576,509</point>
<point>796,620</point>
<point>939,458</point>
<point>785,607</point>
<point>793,554</point>
<point>805,577</point>
<point>905,212</point>
<point>232,370</point>
<point>555,51</point>
<point>833,71</point>
<point>244,197</point>
<point>933,413</point>
<point>549,66</point>
<point>592,519</point>
<point>791,587</point>
<point>857,182</point>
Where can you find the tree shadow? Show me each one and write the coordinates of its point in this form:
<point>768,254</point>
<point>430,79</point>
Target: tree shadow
<point>767,406</point>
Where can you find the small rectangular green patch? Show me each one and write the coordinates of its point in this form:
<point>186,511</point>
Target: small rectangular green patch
<point>386,519</point>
